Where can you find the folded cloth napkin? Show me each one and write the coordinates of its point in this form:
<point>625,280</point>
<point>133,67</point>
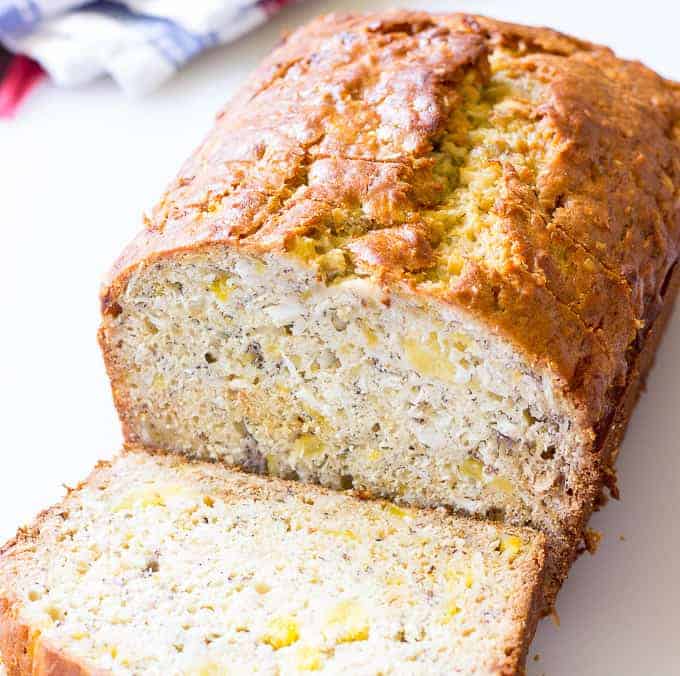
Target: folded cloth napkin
<point>139,43</point>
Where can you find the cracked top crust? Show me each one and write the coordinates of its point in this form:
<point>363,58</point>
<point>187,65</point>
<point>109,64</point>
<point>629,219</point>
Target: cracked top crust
<point>528,177</point>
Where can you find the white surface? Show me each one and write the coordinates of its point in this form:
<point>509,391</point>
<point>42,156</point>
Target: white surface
<point>76,170</point>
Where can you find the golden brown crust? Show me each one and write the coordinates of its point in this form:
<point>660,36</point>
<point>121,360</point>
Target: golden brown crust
<point>334,136</point>
<point>25,654</point>
<point>612,431</point>
<point>607,443</point>
<point>15,647</point>
<point>532,607</point>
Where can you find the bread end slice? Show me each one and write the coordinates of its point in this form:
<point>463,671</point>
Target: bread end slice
<point>158,565</point>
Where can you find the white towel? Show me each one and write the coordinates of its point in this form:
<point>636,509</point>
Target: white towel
<point>139,43</point>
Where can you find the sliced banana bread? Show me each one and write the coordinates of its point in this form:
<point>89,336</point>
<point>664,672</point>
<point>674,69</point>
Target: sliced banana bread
<point>428,257</point>
<point>159,565</point>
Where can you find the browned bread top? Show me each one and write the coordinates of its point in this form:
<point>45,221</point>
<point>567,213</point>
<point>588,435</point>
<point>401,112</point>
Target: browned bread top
<point>518,173</point>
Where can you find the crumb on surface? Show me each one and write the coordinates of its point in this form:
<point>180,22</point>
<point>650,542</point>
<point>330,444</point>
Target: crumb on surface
<point>592,539</point>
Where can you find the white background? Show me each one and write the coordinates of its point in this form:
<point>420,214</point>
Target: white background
<point>76,170</point>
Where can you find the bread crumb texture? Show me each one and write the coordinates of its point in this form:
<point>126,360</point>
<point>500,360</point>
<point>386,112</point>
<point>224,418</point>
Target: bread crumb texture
<point>160,566</point>
<point>289,377</point>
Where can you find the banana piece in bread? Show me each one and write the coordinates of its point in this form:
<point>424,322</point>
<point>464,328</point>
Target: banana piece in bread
<point>425,256</point>
<point>162,566</point>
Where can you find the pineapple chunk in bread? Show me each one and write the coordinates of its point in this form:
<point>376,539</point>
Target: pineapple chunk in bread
<point>158,565</point>
<point>417,255</point>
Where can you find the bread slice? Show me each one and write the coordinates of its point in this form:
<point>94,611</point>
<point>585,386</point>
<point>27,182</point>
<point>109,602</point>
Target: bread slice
<point>418,255</point>
<point>156,565</point>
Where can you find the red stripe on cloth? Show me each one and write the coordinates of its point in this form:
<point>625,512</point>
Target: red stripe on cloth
<point>21,75</point>
<point>271,7</point>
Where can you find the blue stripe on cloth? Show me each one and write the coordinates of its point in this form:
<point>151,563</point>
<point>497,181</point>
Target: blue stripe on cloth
<point>19,18</point>
<point>174,43</point>
<point>177,44</point>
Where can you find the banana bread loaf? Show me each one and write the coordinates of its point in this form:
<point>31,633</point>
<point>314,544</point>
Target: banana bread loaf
<point>160,566</point>
<point>425,256</point>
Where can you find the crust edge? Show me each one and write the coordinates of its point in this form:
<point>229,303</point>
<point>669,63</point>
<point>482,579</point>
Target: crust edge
<point>25,654</point>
